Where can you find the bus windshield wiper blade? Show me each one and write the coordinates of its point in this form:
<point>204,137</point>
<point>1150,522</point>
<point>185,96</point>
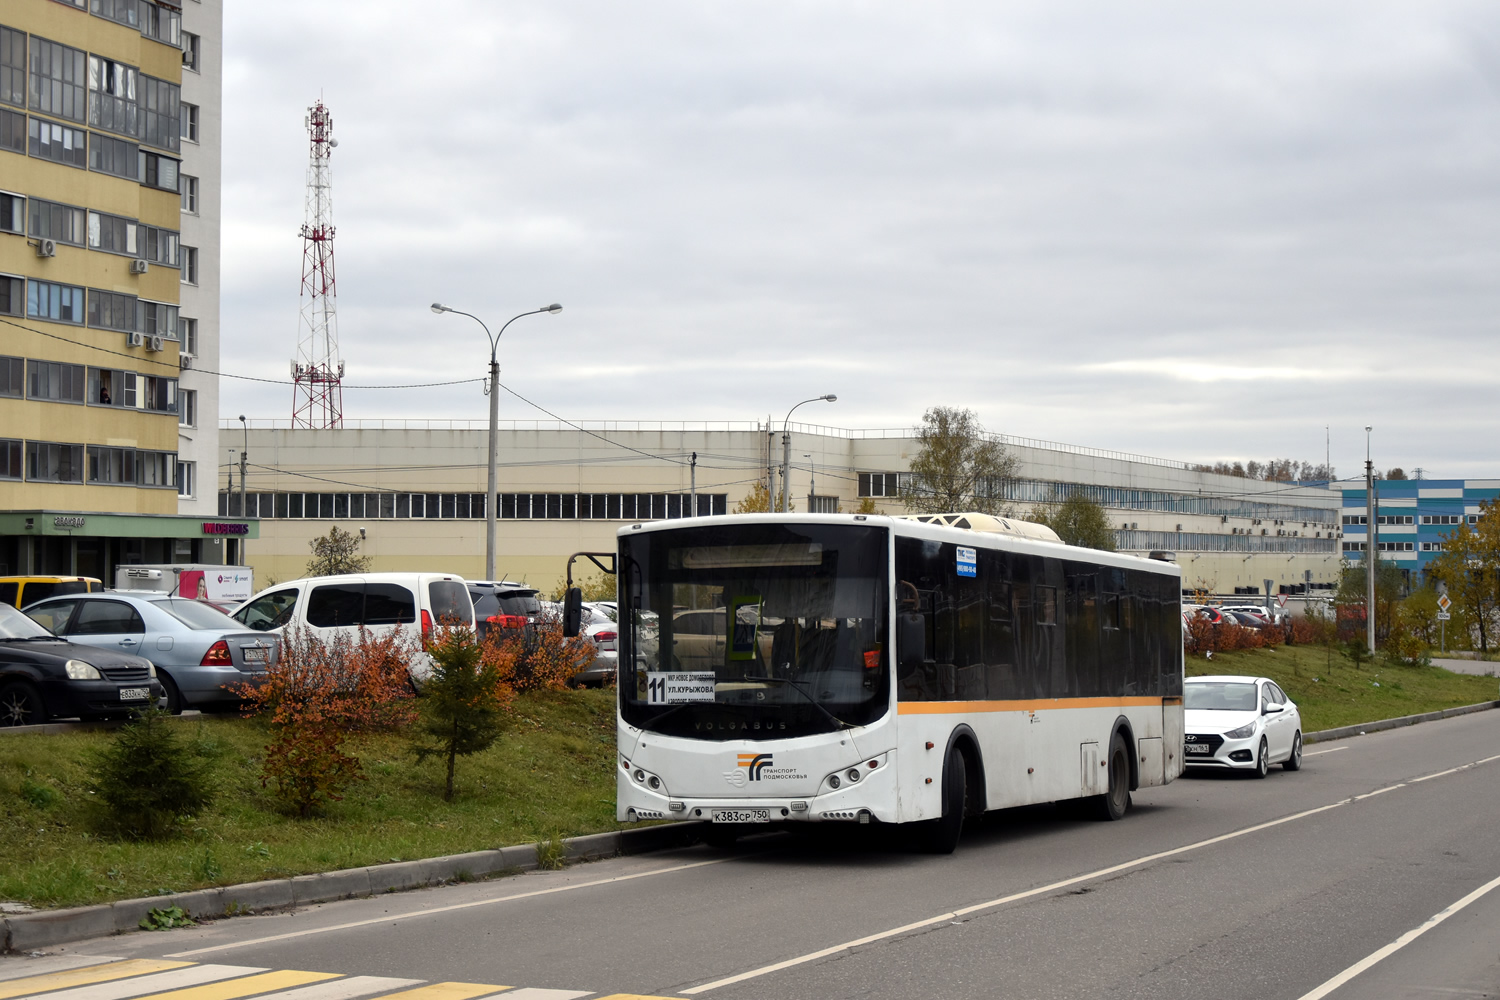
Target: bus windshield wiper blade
<point>795,686</point>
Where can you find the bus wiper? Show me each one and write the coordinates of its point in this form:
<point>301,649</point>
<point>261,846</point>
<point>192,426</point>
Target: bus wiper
<point>796,686</point>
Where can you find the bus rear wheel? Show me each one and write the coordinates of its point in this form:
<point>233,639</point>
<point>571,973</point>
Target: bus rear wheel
<point>940,836</point>
<point>1113,804</point>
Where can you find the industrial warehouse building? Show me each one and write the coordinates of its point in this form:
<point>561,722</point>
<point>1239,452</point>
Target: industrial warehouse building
<point>415,490</point>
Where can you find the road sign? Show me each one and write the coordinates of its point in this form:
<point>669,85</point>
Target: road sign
<point>1443,601</point>
<point>1281,600</point>
<point>1443,616</point>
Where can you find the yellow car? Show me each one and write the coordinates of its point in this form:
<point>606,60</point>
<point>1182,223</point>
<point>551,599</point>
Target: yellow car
<point>19,591</point>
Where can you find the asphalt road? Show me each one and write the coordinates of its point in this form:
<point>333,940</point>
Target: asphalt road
<point>1213,887</point>
<point>1481,668</point>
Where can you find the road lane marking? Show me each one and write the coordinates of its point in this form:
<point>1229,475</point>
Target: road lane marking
<point>266,982</point>
<point>388,918</point>
<point>1401,942</point>
<point>1041,890</point>
<point>15,968</point>
<point>1314,753</point>
<point>1378,791</point>
<point>121,989</point>
<point>447,991</point>
<point>82,977</point>
<point>538,993</point>
<point>342,989</point>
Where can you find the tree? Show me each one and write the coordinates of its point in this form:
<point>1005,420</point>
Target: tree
<point>147,779</point>
<point>758,501</point>
<point>599,587</point>
<point>335,553</point>
<point>867,506</point>
<point>1077,520</point>
<point>1396,473</point>
<point>1351,597</point>
<point>467,702</point>
<point>1470,566</point>
<point>958,466</point>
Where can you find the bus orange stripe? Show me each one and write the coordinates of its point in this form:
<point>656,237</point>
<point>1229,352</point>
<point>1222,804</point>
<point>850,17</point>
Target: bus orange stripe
<point>959,707</point>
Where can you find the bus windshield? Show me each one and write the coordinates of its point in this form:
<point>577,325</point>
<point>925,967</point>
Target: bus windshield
<point>754,631</point>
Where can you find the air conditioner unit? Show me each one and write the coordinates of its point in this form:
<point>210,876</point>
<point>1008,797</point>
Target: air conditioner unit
<point>139,267</point>
<point>154,343</point>
<point>46,248</point>
<point>185,361</point>
<point>135,339</point>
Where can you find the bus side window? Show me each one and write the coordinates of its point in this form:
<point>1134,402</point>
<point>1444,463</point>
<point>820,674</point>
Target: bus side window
<point>911,631</point>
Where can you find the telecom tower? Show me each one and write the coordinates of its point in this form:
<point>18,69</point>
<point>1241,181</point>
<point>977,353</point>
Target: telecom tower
<point>318,395</point>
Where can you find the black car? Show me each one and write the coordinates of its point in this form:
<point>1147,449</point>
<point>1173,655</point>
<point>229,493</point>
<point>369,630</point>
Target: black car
<point>504,605</point>
<point>43,677</point>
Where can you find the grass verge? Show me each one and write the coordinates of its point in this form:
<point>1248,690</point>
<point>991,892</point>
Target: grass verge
<point>1330,692</point>
<point>551,773</point>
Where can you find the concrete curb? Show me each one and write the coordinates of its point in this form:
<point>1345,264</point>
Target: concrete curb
<point>30,931</point>
<point>1344,732</point>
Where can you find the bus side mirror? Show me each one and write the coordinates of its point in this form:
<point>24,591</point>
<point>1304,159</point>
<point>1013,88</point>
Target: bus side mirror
<point>572,612</point>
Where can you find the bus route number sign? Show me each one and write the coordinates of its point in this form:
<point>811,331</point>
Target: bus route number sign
<point>968,561</point>
<point>679,688</point>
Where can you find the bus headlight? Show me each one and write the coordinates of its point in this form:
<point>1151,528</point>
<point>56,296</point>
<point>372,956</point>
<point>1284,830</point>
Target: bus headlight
<point>640,776</point>
<point>853,774</point>
<point>833,781</point>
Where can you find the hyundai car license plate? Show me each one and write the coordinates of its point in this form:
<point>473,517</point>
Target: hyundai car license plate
<point>135,694</point>
<point>1202,748</point>
<point>742,816</point>
<point>254,654</point>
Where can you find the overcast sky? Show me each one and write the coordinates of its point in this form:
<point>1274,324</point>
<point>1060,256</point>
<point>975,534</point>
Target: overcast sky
<point>1200,231</point>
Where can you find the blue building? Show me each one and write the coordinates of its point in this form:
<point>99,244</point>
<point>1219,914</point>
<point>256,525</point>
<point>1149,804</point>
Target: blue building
<point>1413,518</point>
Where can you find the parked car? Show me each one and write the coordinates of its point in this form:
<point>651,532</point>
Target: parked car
<point>503,604</point>
<point>1259,611</point>
<point>378,603</point>
<point>600,627</point>
<point>1240,723</point>
<point>44,677</point>
<point>1244,619</point>
<point>19,591</point>
<point>201,655</point>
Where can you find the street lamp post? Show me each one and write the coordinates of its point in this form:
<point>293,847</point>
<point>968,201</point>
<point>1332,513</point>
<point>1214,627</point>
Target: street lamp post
<point>489,500</point>
<point>786,446</point>
<point>244,456</point>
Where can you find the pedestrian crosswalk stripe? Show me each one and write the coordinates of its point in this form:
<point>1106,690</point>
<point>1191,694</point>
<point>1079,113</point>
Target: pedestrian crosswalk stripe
<point>342,989</point>
<point>231,989</point>
<point>15,968</point>
<point>125,989</point>
<point>447,991</point>
<point>537,993</point>
<point>27,985</point>
<point>634,996</point>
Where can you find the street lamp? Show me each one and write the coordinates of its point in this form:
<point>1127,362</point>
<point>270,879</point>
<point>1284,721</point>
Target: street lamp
<point>489,501</point>
<point>244,512</point>
<point>786,445</point>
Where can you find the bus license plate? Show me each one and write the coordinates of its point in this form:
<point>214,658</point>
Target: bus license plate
<point>134,694</point>
<point>254,654</point>
<point>742,816</point>
<point>1202,748</point>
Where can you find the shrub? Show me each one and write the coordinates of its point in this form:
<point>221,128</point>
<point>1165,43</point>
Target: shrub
<point>147,779</point>
<point>309,767</point>
<point>466,702</point>
<point>538,659</point>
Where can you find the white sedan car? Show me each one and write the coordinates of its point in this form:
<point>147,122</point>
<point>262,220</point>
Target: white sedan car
<point>1241,723</point>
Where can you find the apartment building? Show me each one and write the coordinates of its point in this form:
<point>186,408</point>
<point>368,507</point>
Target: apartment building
<point>109,201</point>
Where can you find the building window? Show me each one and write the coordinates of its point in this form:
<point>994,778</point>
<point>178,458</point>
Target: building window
<point>62,223</point>
<point>190,265</point>
<point>159,246</point>
<point>10,459</point>
<point>192,47</point>
<point>159,113</point>
<point>54,381</point>
<point>187,332</point>
<point>116,157</point>
<point>111,311</point>
<point>185,479</point>
<point>158,171</point>
<point>187,407</point>
<point>189,124</point>
<point>57,302</point>
<point>57,80</point>
<point>162,24</point>
<point>113,234</point>
<point>112,96</point>
<point>13,131</point>
<point>158,394</point>
<point>80,4</point>
<point>112,466</point>
<point>125,12</point>
<point>12,376</point>
<point>881,484</point>
<point>12,67</point>
<point>156,319</point>
<point>190,194</point>
<point>12,295</point>
<point>47,462</point>
<point>12,213</point>
<point>59,143</point>
<point>111,387</point>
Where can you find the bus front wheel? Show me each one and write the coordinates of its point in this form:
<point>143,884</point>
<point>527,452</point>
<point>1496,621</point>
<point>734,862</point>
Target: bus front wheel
<point>941,835</point>
<point>1113,804</point>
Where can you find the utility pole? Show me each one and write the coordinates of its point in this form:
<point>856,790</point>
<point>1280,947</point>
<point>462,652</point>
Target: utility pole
<point>1372,546</point>
<point>770,463</point>
<point>244,510</point>
<point>693,486</point>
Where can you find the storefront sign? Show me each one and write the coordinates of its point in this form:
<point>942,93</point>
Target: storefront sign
<point>67,522</point>
<point>221,528</point>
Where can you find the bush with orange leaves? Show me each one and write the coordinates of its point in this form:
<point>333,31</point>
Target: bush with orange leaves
<point>315,697</point>
<point>539,658</point>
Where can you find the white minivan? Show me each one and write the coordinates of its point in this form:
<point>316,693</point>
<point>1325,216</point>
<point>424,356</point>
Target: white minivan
<point>377,602</point>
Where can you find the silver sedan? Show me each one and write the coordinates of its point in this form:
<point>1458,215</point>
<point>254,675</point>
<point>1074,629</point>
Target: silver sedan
<point>201,654</point>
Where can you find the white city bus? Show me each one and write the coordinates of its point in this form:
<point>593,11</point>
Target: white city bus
<point>787,668</point>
